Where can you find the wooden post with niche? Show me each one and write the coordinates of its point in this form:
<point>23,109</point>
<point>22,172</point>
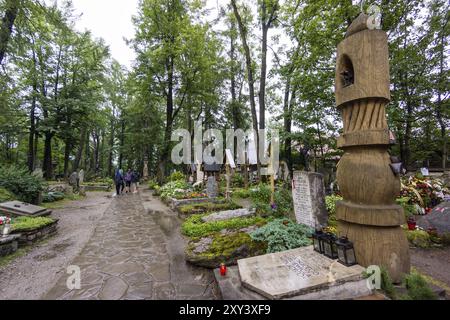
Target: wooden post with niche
<point>368,216</point>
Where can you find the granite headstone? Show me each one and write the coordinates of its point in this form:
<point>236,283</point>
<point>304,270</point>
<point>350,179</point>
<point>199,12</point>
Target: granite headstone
<point>212,188</point>
<point>308,195</point>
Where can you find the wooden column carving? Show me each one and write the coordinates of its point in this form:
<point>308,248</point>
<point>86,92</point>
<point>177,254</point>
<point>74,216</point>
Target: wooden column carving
<point>368,215</point>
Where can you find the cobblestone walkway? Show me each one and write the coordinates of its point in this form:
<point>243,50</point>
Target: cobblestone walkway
<point>136,252</point>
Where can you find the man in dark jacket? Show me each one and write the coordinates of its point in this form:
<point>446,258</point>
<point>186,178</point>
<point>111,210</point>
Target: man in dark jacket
<point>135,181</point>
<point>118,180</point>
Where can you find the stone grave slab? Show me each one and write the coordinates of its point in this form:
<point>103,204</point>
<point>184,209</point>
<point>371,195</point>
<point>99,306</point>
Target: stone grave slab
<point>17,208</point>
<point>308,194</point>
<point>293,273</point>
<point>438,218</point>
<point>229,214</point>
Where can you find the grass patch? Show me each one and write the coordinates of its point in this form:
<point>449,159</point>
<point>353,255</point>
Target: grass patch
<point>4,261</point>
<point>194,226</point>
<point>29,223</point>
<point>206,207</point>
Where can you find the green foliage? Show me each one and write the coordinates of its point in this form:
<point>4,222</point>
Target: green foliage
<point>261,194</point>
<point>29,223</point>
<point>237,181</point>
<point>5,195</point>
<point>283,201</point>
<point>19,182</point>
<point>418,288</point>
<point>386,284</point>
<point>418,238</point>
<point>195,227</point>
<point>283,234</point>
<point>241,193</point>
<point>152,184</point>
<point>177,176</point>
<point>330,202</point>
<point>408,208</point>
<point>206,207</point>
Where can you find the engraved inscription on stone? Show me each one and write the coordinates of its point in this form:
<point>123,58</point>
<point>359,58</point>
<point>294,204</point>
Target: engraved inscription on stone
<point>302,199</point>
<point>302,269</point>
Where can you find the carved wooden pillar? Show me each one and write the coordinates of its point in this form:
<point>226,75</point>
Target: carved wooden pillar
<point>368,215</point>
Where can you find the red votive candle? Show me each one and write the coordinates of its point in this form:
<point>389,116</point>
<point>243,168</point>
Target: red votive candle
<point>223,270</point>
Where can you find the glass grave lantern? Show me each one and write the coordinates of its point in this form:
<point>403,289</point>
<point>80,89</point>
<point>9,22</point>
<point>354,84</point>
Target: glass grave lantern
<point>346,252</point>
<point>329,246</point>
<point>317,237</point>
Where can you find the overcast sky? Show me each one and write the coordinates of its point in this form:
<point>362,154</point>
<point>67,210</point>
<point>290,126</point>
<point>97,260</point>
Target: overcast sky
<point>110,20</point>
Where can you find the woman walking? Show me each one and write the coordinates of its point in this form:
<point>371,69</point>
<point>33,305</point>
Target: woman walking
<point>128,179</point>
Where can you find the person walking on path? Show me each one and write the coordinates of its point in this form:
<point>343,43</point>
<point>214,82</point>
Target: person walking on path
<point>118,180</point>
<point>128,179</point>
<point>135,181</point>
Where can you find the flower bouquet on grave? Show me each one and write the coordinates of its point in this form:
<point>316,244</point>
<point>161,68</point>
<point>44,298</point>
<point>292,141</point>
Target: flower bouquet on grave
<point>5,225</point>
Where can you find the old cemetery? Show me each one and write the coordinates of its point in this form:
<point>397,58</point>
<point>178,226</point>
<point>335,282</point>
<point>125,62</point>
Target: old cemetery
<point>240,150</point>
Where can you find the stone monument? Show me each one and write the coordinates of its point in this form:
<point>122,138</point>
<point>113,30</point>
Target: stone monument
<point>308,194</point>
<point>368,215</point>
<point>212,188</point>
<point>81,177</point>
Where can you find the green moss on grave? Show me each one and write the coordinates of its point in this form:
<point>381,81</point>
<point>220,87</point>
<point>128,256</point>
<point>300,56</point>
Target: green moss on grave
<point>419,238</point>
<point>195,227</point>
<point>23,224</point>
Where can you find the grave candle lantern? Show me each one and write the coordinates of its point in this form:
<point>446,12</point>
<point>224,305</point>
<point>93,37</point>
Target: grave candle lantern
<point>318,241</point>
<point>345,252</point>
<point>329,246</point>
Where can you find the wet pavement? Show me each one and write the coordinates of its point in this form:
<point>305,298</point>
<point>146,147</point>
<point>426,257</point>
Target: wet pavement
<point>137,252</point>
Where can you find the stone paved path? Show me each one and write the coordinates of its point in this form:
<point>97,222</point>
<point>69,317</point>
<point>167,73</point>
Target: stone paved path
<point>137,252</point>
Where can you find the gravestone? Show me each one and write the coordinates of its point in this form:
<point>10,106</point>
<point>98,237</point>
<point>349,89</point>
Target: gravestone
<point>73,180</point>
<point>81,177</point>
<point>212,188</point>
<point>17,208</point>
<point>200,174</point>
<point>308,195</point>
<point>295,272</point>
<point>438,218</point>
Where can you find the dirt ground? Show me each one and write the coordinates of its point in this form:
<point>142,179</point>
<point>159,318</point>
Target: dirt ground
<point>433,262</point>
<point>30,277</point>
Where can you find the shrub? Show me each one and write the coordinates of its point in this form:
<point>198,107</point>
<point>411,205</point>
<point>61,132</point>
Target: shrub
<point>241,193</point>
<point>53,196</point>
<point>261,194</point>
<point>419,238</point>
<point>283,201</point>
<point>283,234</point>
<point>152,184</point>
<point>237,180</point>
<point>19,182</point>
<point>195,227</point>
<point>177,176</point>
<point>330,202</point>
<point>29,223</point>
<point>418,288</point>
<point>5,195</point>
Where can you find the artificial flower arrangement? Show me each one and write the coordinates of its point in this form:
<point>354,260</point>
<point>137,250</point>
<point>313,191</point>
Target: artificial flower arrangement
<point>5,220</point>
<point>423,193</point>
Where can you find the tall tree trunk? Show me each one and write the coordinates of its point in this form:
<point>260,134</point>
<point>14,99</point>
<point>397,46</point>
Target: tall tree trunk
<point>48,165</point>
<point>31,154</point>
<point>67,149</point>
<point>169,121</point>
<point>111,149</point>
<point>76,164</point>
<point>289,100</point>
<point>122,142</point>
<point>439,109</point>
<point>248,59</point>
<point>12,8</point>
